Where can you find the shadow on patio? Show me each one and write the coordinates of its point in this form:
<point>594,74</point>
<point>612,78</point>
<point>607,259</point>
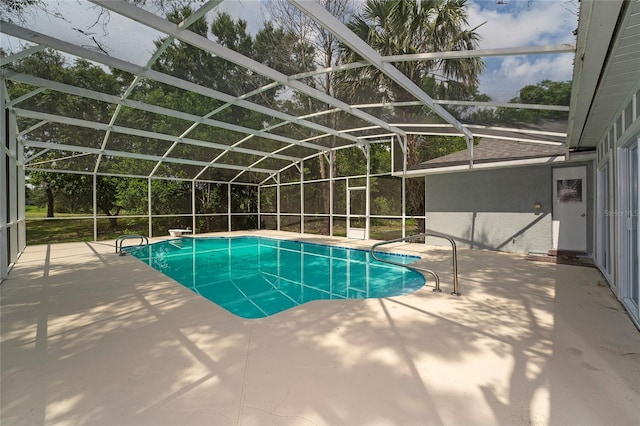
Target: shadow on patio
<point>89,337</point>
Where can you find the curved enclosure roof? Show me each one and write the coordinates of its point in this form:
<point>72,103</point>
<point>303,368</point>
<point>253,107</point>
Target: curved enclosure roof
<point>246,113</point>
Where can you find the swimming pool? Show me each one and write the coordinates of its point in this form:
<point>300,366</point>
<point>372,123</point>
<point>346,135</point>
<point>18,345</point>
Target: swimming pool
<point>255,277</point>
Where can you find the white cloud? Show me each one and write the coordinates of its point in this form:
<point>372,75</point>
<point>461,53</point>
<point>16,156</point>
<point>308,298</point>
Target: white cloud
<point>251,11</point>
<point>503,81</point>
<point>522,23</point>
<point>517,24</point>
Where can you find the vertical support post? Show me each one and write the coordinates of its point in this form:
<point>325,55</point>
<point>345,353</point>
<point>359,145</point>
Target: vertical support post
<point>149,206</point>
<point>278,201</point>
<point>258,203</point>
<point>4,194</point>
<point>22,228</point>
<point>229,207</point>
<point>331,195</point>
<point>347,206</point>
<point>367,192</point>
<point>302,196</point>
<point>403,145</point>
<point>193,207</point>
<point>95,207</point>
<point>13,190</point>
<point>424,213</point>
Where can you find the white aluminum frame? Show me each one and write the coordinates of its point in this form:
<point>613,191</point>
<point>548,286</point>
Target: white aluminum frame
<point>374,129</point>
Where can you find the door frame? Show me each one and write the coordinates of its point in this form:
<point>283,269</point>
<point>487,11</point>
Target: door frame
<point>354,231</point>
<point>605,226</point>
<point>625,215</point>
<point>584,172</point>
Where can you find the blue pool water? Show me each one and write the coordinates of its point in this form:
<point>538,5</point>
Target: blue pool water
<point>255,277</point>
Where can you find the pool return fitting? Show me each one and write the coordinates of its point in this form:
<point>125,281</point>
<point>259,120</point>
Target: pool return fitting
<point>456,290</point>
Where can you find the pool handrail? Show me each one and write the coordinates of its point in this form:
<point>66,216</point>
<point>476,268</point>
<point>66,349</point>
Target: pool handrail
<point>456,289</point>
<point>124,237</point>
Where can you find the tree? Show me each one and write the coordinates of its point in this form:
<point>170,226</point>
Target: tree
<point>46,181</point>
<point>401,27</point>
<point>70,190</point>
<point>208,197</point>
<point>316,47</point>
<point>15,10</point>
<point>546,92</point>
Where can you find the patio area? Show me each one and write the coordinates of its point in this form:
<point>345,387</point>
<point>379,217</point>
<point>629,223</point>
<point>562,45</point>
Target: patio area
<point>93,338</point>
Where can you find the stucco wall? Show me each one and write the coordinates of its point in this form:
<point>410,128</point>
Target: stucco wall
<point>494,209</point>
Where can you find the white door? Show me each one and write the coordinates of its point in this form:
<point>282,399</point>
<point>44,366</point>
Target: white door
<point>356,213</point>
<point>570,208</point>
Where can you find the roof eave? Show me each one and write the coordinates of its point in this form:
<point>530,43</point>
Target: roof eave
<point>597,26</point>
<point>483,166</point>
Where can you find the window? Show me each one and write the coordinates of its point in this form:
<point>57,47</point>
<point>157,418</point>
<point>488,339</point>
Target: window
<point>569,190</point>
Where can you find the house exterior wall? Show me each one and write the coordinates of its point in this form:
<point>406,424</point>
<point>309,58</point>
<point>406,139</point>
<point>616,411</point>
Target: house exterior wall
<point>616,218</point>
<point>495,209</point>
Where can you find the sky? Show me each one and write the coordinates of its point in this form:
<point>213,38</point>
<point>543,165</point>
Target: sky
<point>500,23</point>
<point>523,23</point>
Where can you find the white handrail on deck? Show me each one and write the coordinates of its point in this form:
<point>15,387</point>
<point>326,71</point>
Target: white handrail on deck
<point>456,290</point>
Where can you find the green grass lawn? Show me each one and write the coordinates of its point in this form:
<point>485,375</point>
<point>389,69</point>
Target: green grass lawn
<point>34,212</point>
<point>64,228</point>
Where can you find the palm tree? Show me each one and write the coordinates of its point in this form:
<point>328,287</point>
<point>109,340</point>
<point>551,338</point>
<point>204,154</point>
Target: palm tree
<point>401,27</point>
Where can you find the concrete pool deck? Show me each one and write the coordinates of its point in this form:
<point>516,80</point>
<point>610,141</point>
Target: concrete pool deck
<point>93,338</point>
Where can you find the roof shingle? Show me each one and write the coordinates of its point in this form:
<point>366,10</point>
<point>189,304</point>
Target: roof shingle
<point>495,150</point>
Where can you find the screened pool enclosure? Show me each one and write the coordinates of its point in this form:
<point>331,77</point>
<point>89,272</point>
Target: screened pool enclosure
<point>175,114</point>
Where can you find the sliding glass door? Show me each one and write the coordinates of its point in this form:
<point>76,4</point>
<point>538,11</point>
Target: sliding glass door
<point>633,225</point>
<point>630,207</point>
<point>603,252</point>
